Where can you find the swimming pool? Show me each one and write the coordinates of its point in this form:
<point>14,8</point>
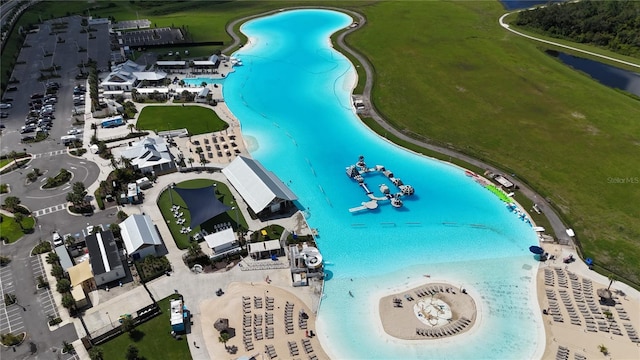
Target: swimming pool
<point>199,80</point>
<point>292,97</point>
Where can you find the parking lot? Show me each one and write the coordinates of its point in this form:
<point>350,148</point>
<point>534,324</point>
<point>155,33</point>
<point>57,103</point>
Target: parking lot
<point>57,50</point>
<point>159,36</point>
<point>10,316</point>
<point>45,298</point>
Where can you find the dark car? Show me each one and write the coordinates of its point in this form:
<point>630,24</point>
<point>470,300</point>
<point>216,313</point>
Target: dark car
<point>4,115</point>
<point>12,88</point>
<point>7,100</point>
<point>37,96</point>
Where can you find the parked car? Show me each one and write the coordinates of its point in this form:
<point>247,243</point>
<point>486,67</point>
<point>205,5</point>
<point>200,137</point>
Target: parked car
<point>5,106</point>
<point>12,88</point>
<point>74,132</point>
<point>37,96</point>
<point>4,114</point>
<point>57,239</point>
<point>27,129</point>
<point>7,100</point>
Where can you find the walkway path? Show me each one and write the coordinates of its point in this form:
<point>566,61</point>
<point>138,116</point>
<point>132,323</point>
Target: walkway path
<point>506,26</point>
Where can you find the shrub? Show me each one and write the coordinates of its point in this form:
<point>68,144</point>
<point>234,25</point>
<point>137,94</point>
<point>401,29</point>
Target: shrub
<point>9,299</point>
<point>41,248</point>
<point>10,340</point>
<point>63,286</point>
<point>54,321</point>
<point>4,260</point>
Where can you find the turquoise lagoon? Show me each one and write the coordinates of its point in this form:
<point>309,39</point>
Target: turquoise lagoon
<point>292,97</point>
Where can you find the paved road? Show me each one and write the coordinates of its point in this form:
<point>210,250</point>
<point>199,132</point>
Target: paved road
<point>506,26</point>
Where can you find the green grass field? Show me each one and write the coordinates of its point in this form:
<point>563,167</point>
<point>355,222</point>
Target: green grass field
<point>196,119</point>
<point>11,230</point>
<point>447,72</point>
<point>224,195</point>
<point>153,339</point>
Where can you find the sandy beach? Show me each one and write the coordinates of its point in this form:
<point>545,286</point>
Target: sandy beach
<point>399,318</point>
<point>580,323</point>
<point>230,306</point>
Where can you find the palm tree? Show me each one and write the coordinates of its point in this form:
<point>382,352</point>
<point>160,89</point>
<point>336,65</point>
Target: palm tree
<point>612,279</point>
<point>96,353</point>
<point>223,338</point>
<point>131,127</point>
<point>11,203</point>
<point>126,162</point>
<point>18,217</point>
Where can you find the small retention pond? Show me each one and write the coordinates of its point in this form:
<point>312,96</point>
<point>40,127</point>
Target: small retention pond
<point>608,75</point>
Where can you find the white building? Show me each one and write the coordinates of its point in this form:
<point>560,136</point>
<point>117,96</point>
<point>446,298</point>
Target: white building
<point>150,155</point>
<point>140,236</point>
<point>128,75</point>
<point>261,189</point>
<point>222,243</point>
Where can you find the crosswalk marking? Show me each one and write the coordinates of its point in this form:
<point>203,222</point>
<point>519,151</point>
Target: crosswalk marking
<point>50,210</point>
<point>51,153</point>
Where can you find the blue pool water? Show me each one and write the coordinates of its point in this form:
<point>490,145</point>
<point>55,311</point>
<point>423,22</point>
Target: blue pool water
<point>292,97</point>
<point>198,81</point>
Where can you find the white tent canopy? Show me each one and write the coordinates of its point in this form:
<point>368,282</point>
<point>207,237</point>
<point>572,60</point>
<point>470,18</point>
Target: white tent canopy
<point>220,238</point>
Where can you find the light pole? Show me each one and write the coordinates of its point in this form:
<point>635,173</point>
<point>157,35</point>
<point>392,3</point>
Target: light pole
<point>171,192</point>
<point>40,228</point>
<point>110,322</point>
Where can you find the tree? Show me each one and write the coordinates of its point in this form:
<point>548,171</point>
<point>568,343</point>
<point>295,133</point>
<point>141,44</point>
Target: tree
<point>223,338</point>
<point>125,161</point>
<point>77,194</point>
<point>52,258</point>
<point>18,217</point>
<point>11,203</point>
<point>63,286</point>
<point>194,250</point>
<point>67,348</point>
<point>69,241</point>
<point>127,324</point>
<point>132,352</point>
<point>115,229</point>
<point>68,301</point>
<point>96,353</point>
<point>57,271</point>
<point>131,126</point>
<point>191,161</point>
<point>612,279</point>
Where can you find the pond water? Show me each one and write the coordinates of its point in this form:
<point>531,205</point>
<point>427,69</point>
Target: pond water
<point>524,4</point>
<point>608,75</point>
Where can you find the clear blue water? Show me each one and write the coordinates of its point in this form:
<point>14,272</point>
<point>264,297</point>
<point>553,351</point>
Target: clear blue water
<point>199,80</point>
<point>292,97</point>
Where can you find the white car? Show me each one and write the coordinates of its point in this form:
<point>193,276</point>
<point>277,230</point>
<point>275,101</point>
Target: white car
<point>74,132</point>
<point>5,106</point>
<point>57,239</point>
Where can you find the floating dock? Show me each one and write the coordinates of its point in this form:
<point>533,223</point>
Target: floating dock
<point>357,173</point>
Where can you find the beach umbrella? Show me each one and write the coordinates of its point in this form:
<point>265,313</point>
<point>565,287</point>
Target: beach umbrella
<point>536,250</point>
<point>221,324</point>
<point>604,293</point>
